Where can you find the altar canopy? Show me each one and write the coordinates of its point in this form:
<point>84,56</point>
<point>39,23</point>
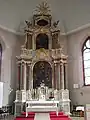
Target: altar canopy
<point>42,67</point>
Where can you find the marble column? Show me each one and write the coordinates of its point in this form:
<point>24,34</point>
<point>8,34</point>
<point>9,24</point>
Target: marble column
<point>65,75</point>
<point>56,71</point>
<point>18,73</point>
<point>54,75</point>
<point>59,76</point>
<point>30,77</point>
<point>25,76</point>
<point>21,76</point>
<point>62,76</point>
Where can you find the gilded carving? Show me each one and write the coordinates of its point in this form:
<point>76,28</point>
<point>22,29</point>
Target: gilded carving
<point>37,31</point>
<point>43,8</point>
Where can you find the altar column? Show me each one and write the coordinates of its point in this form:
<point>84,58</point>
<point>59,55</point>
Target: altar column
<point>21,76</point>
<point>59,76</point>
<point>62,76</point>
<point>65,75</point>
<point>55,75</point>
<point>25,76</point>
<point>18,75</point>
<point>30,76</point>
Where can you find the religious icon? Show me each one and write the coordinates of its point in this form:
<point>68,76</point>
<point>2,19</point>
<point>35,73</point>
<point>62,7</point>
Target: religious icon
<point>42,73</point>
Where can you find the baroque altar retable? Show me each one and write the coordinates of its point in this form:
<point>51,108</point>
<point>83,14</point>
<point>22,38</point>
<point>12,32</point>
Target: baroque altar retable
<point>42,67</point>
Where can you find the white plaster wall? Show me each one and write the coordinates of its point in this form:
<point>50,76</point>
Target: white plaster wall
<point>75,73</point>
<point>10,44</point>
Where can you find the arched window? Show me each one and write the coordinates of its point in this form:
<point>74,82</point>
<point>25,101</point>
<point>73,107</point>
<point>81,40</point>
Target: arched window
<point>86,61</point>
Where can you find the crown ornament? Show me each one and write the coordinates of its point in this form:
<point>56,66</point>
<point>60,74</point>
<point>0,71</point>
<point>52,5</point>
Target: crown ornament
<point>43,8</point>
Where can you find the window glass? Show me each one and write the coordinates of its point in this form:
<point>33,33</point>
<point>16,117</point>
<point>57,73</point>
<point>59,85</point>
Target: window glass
<point>86,61</point>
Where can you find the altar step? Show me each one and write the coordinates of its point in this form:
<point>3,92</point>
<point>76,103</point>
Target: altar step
<point>29,113</point>
<point>36,116</point>
<point>59,116</point>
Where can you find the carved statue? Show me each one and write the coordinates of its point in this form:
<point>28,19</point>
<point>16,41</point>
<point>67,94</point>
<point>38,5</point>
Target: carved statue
<point>29,24</point>
<point>55,24</point>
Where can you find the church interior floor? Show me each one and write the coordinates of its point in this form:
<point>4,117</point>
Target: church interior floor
<point>12,118</point>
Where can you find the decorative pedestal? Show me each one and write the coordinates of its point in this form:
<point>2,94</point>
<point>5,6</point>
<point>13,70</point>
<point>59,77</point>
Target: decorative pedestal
<point>64,101</point>
<point>18,108</point>
<point>19,102</point>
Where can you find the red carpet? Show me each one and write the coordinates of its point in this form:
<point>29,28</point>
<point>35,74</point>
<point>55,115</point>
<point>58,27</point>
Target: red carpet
<point>61,116</point>
<point>31,116</point>
<point>53,116</point>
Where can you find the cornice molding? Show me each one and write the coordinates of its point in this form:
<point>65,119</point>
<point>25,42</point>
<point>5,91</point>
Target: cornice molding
<point>10,30</point>
<point>78,29</point>
<point>62,33</point>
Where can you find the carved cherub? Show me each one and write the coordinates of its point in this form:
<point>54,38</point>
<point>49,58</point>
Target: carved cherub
<point>55,23</point>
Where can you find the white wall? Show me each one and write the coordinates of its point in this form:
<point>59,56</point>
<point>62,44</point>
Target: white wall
<point>75,73</point>
<point>11,45</point>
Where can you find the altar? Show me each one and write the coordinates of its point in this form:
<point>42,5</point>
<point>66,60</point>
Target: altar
<point>41,106</point>
<point>42,67</point>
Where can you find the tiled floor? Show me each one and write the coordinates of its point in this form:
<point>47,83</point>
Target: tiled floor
<point>12,118</point>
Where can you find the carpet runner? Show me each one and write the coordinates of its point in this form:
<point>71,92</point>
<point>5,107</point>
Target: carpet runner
<point>43,116</point>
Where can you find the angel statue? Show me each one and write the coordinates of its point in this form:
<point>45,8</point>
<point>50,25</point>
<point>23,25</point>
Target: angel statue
<point>55,24</point>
